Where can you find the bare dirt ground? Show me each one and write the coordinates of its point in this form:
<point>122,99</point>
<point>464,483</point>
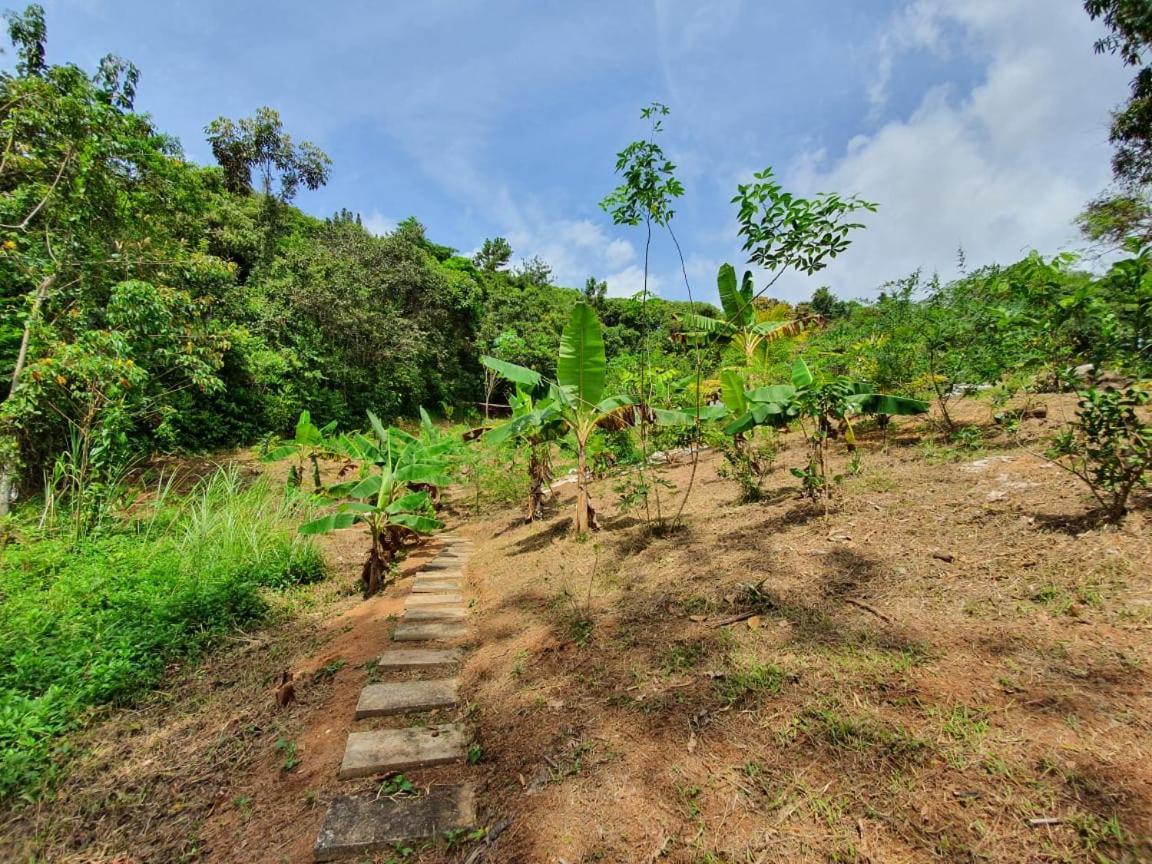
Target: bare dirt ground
<point>953,665</point>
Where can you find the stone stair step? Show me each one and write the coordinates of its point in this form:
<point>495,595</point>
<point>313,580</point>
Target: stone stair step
<point>363,824</point>
<point>431,632</point>
<point>423,600</point>
<point>417,658</point>
<point>436,586</point>
<point>385,750</point>
<point>399,697</point>
<point>445,564</point>
<point>435,613</point>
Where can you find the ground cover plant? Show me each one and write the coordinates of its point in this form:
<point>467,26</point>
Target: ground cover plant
<point>95,622</point>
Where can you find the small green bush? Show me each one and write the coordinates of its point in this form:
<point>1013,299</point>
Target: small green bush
<point>97,622</point>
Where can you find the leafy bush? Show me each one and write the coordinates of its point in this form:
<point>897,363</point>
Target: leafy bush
<point>96,623</point>
<point>1108,446</point>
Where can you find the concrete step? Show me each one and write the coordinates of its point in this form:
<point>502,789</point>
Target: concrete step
<point>417,658</point>
<point>435,613</point>
<point>422,600</point>
<point>362,824</point>
<point>384,750</point>
<point>431,632</point>
<point>436,586</point>
<point>400,697</point>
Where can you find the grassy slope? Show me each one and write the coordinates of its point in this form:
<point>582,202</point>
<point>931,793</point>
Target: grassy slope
<point>97,623</point>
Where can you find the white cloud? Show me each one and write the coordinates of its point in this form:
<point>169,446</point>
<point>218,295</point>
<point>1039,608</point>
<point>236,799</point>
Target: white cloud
<point>379,224</point>
<point>997,171</point>
<point>630,281</point>
<point>619,252</point>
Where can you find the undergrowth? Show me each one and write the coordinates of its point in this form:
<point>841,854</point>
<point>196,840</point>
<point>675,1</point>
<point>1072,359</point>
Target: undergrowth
<point>96,622</point>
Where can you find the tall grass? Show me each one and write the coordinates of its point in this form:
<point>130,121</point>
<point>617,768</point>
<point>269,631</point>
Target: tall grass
<point>95,622</point>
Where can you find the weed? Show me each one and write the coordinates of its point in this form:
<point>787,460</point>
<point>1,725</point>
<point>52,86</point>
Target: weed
<point>475,754</point>
<point>683,656</point>
<point>290,753</point>
<point>329,669</point>
<point>163,589</point>
<point>753,681</point>
<point>396,786</point>
<point>243,803</point>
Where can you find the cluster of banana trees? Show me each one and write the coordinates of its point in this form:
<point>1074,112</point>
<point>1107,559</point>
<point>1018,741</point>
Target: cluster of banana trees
<point>398,477</point>
<point>822,409</point>
<point>574,403</point>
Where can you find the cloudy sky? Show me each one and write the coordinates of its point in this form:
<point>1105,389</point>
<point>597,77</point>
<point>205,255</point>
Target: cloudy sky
<point>979,124</point>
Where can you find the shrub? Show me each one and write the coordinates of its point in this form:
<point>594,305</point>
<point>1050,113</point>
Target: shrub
<point>1108,446</point>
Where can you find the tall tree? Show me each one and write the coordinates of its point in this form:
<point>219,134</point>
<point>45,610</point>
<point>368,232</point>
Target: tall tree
<point>259,143</point>
<point>1130,23</point>
<point>92,203</point>
<point>493,255</point>
<point>595,292</point>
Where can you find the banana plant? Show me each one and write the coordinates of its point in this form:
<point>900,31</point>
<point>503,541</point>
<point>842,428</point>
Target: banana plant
<point>816,405</point>
<point>389,497</point>
<point>525,426</point>
<point>309,443</point>
<point>739,325</point>
<point>576,400</point>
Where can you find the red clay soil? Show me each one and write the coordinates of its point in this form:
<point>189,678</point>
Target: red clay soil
<point>953,665</point>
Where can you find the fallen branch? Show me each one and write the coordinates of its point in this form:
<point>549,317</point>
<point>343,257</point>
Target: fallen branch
<point>735,619</point>
<point>860,604</point>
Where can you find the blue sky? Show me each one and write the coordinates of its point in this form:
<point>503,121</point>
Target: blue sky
<point>974,123</point>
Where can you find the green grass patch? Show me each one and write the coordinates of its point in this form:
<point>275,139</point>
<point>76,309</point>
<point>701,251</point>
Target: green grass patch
<point>96,622</point>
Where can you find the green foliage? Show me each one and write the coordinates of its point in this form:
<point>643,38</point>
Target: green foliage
<point>782,230</point>
<point>818,405</point>
<point>649,185</point>
<point>1109,447</point>
<point>391,495</point>
<point>259,143</point>
<point>748,462</point>
<point>1130,23</point>
<point>98,622</point>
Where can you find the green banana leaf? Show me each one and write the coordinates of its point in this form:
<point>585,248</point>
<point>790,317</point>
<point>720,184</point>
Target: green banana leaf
<point>580,367</point>
<point>732,391</point>
<point>801,374</point>
<point>419,524</point>
<point>516,374</point>
<point>331,522</point>
<point>882,403</point>
<point>781,393</point>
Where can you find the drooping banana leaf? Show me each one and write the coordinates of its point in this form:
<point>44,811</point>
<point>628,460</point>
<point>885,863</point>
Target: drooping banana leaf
<point>331,522</point>
<point>413,502</point>
<point>761,414</point>
<point>702,326</point>
<point>782,393</point>
<point>417,523</point>
<point>516,374</point>
<point>882,403</point>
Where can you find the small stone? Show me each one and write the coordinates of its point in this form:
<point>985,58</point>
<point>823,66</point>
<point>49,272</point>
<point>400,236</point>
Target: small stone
<point>385,750</point>
<point>431,632</point>
<point>377,700</point>
<point>414,658</point>
<point>363,824</point>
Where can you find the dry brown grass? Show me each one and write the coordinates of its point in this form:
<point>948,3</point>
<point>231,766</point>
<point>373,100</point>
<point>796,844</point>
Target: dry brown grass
<point>883,703</point>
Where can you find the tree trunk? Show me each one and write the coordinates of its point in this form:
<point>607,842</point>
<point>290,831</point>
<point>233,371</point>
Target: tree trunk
<point>8,467</point>
<point>582,508</point>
